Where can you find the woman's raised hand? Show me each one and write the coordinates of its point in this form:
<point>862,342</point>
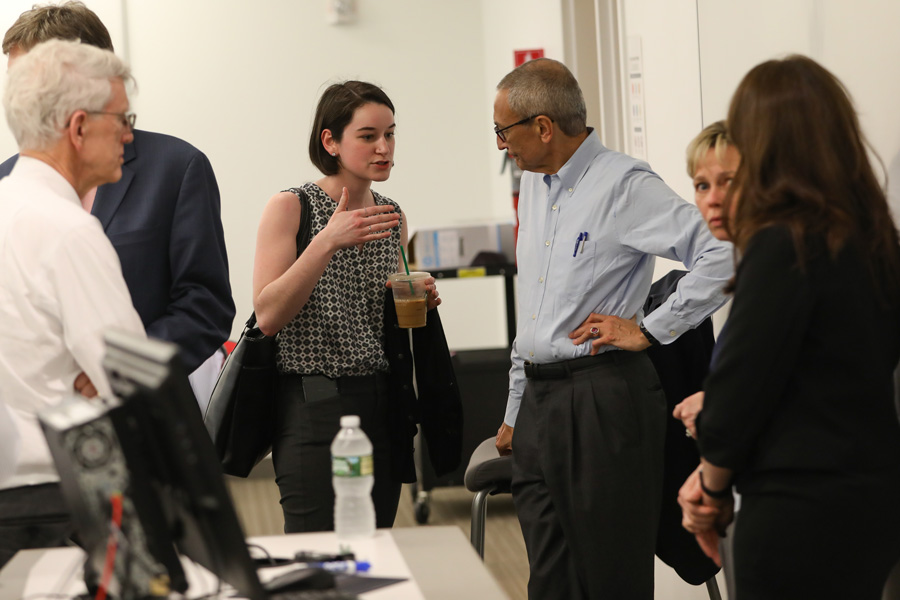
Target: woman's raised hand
<point>348,228</point>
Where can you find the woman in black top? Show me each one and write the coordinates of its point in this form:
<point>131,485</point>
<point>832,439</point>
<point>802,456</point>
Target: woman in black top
<point>328,303</point>
<point>799,411</point>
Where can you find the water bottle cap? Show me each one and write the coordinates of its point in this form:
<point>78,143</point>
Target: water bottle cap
<point>350,421</point>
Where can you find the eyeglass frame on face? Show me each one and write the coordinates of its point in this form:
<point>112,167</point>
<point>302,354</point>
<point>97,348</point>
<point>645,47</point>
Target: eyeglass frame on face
<point>498,131</point>
<point>127,119</point>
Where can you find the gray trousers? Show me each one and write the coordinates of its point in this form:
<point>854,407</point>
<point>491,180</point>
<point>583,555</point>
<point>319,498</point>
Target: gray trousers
<point>587,479</point>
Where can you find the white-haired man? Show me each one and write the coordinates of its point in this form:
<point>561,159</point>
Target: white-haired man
<point>61,284</point>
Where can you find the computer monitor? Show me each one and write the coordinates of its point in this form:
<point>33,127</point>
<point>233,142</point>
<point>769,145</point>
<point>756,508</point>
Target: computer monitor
<point>150,444</point>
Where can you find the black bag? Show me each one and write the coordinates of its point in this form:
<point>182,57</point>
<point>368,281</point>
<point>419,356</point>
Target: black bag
<point>240,416</point>
<point>241,411</point>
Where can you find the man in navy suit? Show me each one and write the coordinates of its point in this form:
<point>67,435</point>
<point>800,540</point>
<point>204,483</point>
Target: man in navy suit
<point>162,216</point>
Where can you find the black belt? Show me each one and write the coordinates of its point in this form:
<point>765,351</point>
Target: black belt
<point>317,386</point>
<point>561,370</point>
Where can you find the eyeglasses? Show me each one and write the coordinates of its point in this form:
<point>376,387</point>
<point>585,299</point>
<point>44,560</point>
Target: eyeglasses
<point>500,131</point>
<point>127,119</point>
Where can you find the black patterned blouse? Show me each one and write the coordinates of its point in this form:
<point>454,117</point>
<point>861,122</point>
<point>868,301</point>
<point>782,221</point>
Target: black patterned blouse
<point>340,329</point>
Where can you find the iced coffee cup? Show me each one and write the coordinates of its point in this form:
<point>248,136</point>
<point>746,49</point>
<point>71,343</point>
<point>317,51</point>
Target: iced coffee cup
<point>409,298</point>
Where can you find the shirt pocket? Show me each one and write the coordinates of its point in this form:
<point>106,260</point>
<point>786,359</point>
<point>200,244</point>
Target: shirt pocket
<point>579,278</point>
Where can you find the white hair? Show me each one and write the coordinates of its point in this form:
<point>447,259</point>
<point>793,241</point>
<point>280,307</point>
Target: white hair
<point>53,80</point>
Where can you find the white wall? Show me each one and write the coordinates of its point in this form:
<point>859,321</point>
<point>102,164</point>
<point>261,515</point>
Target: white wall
<point>667,30</point>
<point>856,41</point>
<point>690,73</point>
<point>668,33</point>
<point>240,80</point>
<point>475,309</point>
<point>509,25</point>
<point>696,51</point>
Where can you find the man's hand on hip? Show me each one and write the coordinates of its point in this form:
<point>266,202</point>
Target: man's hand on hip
<point>607,330</point>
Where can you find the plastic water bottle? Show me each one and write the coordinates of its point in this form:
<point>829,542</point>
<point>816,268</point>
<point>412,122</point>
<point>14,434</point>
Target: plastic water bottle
<point>353,476</point>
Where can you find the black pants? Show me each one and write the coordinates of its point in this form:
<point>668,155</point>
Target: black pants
<point>301,451</point>
<point>587,479</point>
<point>33,516</point>
<point>824,537</point>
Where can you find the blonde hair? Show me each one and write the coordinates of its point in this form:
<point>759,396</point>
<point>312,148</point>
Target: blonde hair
<point>712,136</point>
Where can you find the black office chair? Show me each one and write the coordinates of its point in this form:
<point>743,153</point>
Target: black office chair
<point>488,474</point>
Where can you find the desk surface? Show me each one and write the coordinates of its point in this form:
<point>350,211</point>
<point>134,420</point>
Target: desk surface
<point>439,562</point>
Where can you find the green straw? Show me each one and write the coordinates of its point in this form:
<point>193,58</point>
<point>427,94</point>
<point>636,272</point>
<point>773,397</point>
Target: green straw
<point>406,266</point>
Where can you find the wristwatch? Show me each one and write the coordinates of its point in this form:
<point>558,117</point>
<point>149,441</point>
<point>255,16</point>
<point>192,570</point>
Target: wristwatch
<point>653,341</point>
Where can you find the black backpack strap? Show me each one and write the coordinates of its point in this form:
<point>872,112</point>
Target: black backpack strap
<point>304,232</point>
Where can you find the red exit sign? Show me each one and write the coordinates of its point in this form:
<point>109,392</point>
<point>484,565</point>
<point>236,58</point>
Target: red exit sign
<point>523,56</point>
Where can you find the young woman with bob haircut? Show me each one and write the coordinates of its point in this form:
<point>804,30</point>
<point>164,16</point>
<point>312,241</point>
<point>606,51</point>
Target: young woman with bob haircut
<point>327,304</point>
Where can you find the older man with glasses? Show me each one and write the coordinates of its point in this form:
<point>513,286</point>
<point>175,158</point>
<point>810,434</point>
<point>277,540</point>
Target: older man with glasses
<point>162,216</point>
<point>586,404</point>
<point>61,286</point>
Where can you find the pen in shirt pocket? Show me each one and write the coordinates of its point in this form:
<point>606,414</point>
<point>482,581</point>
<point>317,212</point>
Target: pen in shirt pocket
<point>582,238</point>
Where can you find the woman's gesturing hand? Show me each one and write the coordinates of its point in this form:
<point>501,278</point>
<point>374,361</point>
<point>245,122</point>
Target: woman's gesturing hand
<point>348,228</point>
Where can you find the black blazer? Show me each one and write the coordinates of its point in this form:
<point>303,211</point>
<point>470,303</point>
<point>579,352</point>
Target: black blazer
<point>163,219</point>
<point>795,391</point>
<point>681,366</point>
<point>438,407</point>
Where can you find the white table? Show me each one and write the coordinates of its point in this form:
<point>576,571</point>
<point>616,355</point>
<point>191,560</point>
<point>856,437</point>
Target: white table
<point>438,562</point>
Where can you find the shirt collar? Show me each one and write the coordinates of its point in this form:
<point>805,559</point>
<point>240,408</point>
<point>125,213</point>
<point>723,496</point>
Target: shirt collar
<point>577,165</point>
<point>36,169</point>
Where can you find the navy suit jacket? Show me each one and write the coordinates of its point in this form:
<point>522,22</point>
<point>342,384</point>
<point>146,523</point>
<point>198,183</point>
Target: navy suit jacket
<point>163,219</point>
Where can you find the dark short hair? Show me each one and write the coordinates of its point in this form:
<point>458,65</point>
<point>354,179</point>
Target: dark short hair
<point>334,113</point>
<point>68,21</point>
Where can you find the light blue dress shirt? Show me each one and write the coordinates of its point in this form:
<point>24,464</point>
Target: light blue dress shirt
<point>630,216</point>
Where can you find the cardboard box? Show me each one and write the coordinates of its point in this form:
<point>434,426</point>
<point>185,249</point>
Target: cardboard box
<point>452,247</point>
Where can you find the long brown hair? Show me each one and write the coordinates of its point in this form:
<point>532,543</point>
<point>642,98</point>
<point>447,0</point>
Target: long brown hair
<point>804,165</point>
